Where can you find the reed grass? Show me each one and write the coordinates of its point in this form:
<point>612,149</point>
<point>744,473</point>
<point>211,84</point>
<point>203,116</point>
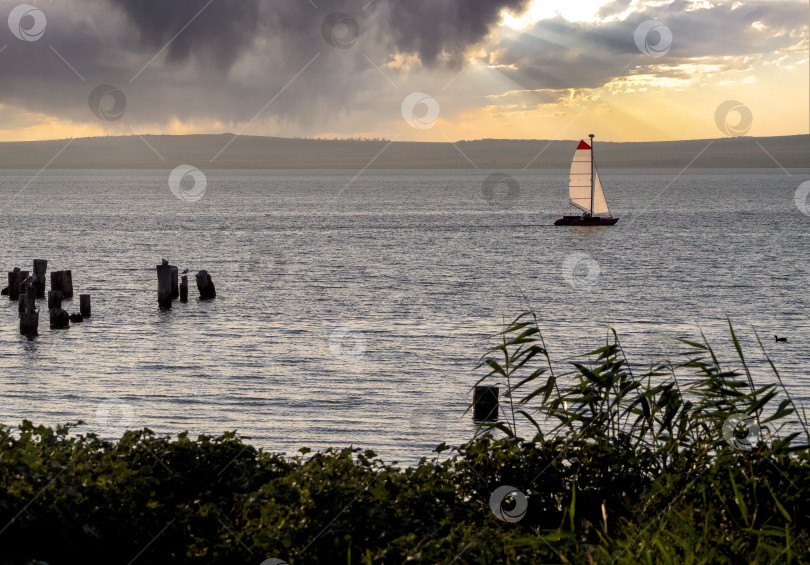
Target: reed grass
<point>708,462</point>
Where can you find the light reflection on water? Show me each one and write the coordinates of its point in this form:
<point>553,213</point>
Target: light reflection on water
<point>418,262</point>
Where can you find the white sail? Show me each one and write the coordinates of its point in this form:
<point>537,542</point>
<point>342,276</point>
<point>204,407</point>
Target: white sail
<point>579,182</point>
<point>599,203</point>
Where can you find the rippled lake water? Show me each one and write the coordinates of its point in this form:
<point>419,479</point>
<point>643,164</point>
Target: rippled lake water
<point>353,311</point>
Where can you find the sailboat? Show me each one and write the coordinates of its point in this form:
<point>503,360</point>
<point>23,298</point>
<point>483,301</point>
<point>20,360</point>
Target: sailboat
<point>585,191</point>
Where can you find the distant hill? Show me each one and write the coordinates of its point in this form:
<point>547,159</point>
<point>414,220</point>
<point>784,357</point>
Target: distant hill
<point>251,152</point>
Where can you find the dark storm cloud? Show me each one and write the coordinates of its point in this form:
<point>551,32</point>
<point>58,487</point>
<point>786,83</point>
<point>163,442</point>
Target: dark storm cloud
<point>225,60</point>
<point>218,30</point>
<point>222,28</point>
<point>432,28</point>
<point>186,60</point>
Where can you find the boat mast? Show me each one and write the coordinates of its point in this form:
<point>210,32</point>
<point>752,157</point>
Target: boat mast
<point>592,185</point>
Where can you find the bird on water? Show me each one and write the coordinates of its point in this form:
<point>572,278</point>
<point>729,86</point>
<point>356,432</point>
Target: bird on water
<point>777,338</point>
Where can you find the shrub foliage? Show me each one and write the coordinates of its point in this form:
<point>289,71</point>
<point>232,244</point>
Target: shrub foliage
<point>687,462</point>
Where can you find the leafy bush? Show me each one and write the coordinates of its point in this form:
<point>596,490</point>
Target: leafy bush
<point>620,468</point>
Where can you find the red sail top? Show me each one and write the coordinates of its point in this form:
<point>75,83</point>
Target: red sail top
<point>583,145</point>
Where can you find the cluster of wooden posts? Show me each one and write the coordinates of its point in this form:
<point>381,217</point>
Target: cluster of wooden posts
<point>171,286</point>
<point>25,290</point>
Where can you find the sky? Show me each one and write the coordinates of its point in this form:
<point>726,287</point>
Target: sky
<point>415,70</point>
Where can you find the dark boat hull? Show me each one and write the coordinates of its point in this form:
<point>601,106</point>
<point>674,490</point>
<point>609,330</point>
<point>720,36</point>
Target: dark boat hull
<point>580,221</point>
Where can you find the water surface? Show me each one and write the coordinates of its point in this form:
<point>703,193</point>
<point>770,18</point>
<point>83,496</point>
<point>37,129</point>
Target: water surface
<point>412,268</point>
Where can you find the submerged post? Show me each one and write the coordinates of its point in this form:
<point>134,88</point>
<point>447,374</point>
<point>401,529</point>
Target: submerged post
<point>205,285</point>
<point>40,266</point>
<point>184,288</point>
<point>485,403</point>
<point>84,305</point>
<point>164,280</point>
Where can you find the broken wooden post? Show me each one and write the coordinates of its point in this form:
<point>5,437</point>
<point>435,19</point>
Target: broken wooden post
<point>54,299</point>
<point>16,280</point>
<point>21,286</point>
<point>40,266</point>
<point>184,288</point>
<point>84,305</point>
<point>485,403</point>
<point>205,285</point>
<point>29,321</point>
<point>67,285</point>
<point>4,292</point>
<point>60,320</point>
<point>175,286</point>
<point>56,281</point>
<point>164,279</point>
<point>76,318</point>
<point>14,284</point>
<point>21,304</point>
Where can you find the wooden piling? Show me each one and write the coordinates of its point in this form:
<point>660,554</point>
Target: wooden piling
<point>40,266</point>
<point>56,281</point>
<point>67,285</point>
<point>29,321</point>
<point>21,288</point>
<point>60,320</point>
<point>16,280</point>
<point>205,285</point>
<point>20,304</point>
<point>54,299</point>
<point>76,318</point>
<point>175,285</point>
<point>84,305</point>
<point>184,288</point>
<point>14,284</point>
<point>485,403</point>
<point>164,280</point>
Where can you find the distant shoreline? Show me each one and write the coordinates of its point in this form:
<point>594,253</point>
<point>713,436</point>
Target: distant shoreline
<point>226,151</point>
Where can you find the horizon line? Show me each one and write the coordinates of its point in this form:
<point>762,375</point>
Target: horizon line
<point>370,139</point>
